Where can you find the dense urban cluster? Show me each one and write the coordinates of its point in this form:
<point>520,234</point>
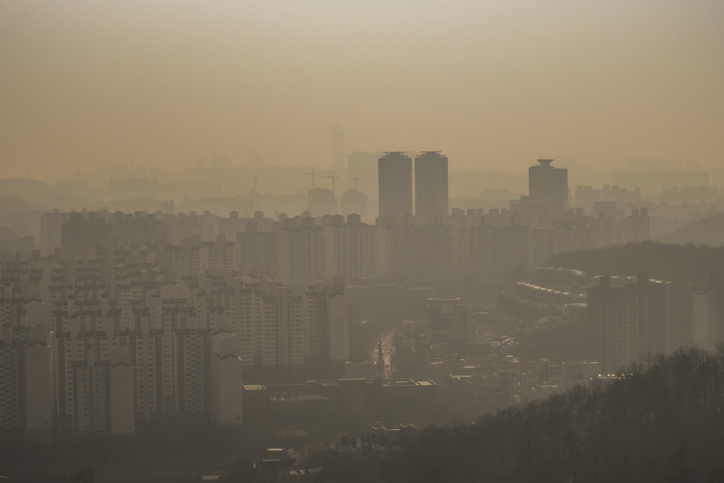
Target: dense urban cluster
<point>130,323</point>
<point>107,342</point>
<point>429,248</point>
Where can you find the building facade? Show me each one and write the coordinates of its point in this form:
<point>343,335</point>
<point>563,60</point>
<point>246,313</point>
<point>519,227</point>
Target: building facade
<point>431,185</point>
<point>395,184</point>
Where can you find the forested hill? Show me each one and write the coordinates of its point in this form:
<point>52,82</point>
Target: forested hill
<point>664,424</point>
<point>708,230</point>
<point>676,263</point>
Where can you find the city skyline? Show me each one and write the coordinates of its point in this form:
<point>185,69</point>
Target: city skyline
<point>125,326</point>
<point>389,241</point>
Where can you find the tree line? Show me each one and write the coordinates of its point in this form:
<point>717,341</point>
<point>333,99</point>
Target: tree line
<point>662,420</point>
<point>669,262</point>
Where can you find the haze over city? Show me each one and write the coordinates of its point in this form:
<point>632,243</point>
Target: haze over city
<point>493,83</point>
<point>361,242</point>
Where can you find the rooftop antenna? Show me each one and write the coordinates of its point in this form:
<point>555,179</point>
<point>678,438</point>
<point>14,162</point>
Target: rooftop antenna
<point>356,179</point>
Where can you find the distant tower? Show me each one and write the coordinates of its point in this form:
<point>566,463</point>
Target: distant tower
<point>394,172</point>
<point>338,157</point>
<point>548,187</point>
<point>431,185</point>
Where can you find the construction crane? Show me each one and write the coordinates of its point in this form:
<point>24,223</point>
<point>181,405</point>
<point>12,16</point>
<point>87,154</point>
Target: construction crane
<point>313,173</point>
<point>356,180</point>
<point>333,177</point>
<point>322,174</point>
<point>253,192</point>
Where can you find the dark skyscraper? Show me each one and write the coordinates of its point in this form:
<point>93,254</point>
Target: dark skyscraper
<point>394,173</point>
<point>431,187</point>
<point>548,187</point>
<point>354,201</point>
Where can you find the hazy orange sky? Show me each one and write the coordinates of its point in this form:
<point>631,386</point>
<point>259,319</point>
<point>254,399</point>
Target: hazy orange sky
<point>493,84</point>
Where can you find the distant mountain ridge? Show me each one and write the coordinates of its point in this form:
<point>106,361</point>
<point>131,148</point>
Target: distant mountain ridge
<point>663,261</point>
<point>704,231</point>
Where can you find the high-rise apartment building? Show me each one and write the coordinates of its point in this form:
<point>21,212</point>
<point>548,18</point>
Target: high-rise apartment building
<point>326,323</point>
<point>51,231</point>
<point>405,250</point>
<point>431,185</point>
<point>708,314</point>
<point>629,320</point>
<point>548,187</point>
<point>257,252</point>
<point>299,248</point>
<point>11,382</point>
<point>125,337</point>
<point>321,202</point>
<point>448,316</point>
<point>194,376</point>
<point>394,171</point>
<point>84,231</point>
<point>348,248</point>
<point>354,201</point>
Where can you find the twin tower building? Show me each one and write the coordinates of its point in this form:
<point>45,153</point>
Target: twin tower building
<point>395,185</point>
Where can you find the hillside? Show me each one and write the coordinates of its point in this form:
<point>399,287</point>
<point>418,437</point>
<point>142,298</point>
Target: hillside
<point>707,231</point>
<point>664,423</point>
<point>676,263</point>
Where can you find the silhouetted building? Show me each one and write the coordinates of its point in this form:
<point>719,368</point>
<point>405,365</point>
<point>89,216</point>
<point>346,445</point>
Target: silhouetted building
<point>84,231</point>
<point>629,320</point>
<point>447,315</point>
<point>431,185</point>
<point>348,247</point>
<point>257,251</point>
<point>322,202</point>
<point>636,227</point>
<point>419,252</point>
<point>354,201</point>
<point>51,231</point>
<point>395,184</point>
<point>708,315</point>
<point>548,187</point>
